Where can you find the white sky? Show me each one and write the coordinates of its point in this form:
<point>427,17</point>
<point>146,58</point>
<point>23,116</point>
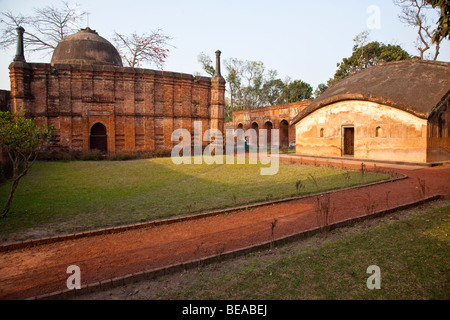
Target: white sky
<point>300,39</point>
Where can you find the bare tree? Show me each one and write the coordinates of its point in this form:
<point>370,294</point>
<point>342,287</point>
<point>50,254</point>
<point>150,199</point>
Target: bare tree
<point>414,13</point>
<point>44,29</point>
<point>146,48</point>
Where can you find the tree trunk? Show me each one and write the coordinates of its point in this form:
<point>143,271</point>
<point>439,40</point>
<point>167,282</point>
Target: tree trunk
<point>10,198</point>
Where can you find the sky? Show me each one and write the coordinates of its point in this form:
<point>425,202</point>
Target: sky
<point>301,40</point>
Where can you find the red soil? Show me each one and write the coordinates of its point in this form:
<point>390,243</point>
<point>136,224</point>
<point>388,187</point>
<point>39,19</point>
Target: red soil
<point>34,271</point>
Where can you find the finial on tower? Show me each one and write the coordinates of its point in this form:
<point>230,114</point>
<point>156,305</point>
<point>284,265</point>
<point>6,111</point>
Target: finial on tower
<point>19,52</point>
<point>217,74</point>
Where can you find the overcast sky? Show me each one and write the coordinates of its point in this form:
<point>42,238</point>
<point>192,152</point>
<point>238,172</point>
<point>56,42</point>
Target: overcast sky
<point>300,39</point>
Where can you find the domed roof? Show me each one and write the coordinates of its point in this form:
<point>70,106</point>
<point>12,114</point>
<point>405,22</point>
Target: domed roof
<point>86,47</point>
<point>414,86</point>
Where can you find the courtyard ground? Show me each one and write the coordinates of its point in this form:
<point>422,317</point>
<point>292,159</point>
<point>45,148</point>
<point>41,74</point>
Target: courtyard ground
<point>105,259</point>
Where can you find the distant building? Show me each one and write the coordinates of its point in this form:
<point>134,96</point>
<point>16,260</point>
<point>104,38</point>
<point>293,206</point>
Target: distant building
<point>272,117</point>
<point>96,103</point>
<point>397,111</point>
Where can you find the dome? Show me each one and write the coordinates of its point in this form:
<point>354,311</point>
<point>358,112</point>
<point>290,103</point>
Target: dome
<point>86,47</point>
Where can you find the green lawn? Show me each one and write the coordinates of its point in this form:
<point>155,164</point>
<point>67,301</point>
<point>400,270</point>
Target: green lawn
<point>412,254</point>
<point>61,197</point>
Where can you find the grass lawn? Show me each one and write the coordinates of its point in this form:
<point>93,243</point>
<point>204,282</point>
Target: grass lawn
<point>62,197</point>
<point>411,248</point>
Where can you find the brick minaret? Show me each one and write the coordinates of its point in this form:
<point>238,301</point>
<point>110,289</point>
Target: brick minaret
<point>20,73</point>
<point>217,98</point>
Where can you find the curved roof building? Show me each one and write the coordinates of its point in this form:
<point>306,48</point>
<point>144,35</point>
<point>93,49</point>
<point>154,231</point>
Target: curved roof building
<point>396,111</point>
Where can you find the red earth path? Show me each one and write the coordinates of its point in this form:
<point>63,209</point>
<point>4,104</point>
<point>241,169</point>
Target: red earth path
<point>34,271</point>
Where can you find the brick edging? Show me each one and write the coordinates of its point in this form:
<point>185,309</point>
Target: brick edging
<point>174,268</point>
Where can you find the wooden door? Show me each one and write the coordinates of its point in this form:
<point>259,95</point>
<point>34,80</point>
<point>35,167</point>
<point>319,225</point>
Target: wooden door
<point>349,141</point>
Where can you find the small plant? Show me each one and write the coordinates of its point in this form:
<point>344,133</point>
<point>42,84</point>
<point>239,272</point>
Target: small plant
<point>234,198</point>
<point>219,251</point>
<point>299,186</point>
<point>197,249</point>
<point>363,171</point>
<point>324,211</point>
<point>313,179</point>
<point>387,198</point>
<point>370,205</point>
<point>422,188</point>
<point>347,178</point>
<point>273,224</point>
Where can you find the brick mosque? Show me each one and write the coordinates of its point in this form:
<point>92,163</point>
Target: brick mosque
<point>94,102</point>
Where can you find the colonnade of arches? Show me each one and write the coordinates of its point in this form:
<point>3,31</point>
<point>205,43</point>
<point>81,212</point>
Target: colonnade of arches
<point>283,127</point>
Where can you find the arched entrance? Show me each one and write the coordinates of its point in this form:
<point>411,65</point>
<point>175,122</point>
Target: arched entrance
<point>284,134</point>
<point>98,138</point>
<point>256,128</point>
<point>268,126</point>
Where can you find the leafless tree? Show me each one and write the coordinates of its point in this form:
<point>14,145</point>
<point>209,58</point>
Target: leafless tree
<point>44,29</point>
<point>414,13</point>
<point>145,48</point>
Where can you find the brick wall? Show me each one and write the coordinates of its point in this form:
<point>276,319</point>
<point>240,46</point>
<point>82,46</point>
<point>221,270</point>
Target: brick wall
<point>140,108</point>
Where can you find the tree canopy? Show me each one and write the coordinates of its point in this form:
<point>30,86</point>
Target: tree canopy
<point>251,85</point>
<point>368,55</point>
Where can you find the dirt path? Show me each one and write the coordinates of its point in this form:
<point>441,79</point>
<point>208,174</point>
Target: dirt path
<point>34,271</point>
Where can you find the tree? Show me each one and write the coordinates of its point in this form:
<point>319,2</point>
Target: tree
<point>443,29</point>
<point>136,49</point>
<point>23,139</point>
<point>44,29</point>
<point>414,13</point>
<point>207,63</point>
<point>366,56</point>
<point>320,89</point>
<point>296,91</point>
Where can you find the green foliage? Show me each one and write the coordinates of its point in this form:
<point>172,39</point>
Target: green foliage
<point>443,25</point>
<point>251,85</point>
<point>23,139</point>
<point>320,89</point>
<point>366,56</point>
<point>206,63</point>
<point>22,136</point>
<point>296,91</point>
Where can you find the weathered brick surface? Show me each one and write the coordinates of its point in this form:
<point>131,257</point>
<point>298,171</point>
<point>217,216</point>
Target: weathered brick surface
<point>140,108</point>
<point>275,117</point>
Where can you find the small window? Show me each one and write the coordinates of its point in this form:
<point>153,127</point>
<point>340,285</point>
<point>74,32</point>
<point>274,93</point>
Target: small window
<point>378,132</point>
<point>321,132</point>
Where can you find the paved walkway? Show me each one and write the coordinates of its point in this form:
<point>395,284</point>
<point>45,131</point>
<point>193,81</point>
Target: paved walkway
<point>39,270</point>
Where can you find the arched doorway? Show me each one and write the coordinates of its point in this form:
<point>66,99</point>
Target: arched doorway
<point>98,138</point>
<point>268,126</point>
<point>256,128</point>
<point>284,134</point>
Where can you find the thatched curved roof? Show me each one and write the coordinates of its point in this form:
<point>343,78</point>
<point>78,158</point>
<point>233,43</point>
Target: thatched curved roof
<point>415,86</point>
